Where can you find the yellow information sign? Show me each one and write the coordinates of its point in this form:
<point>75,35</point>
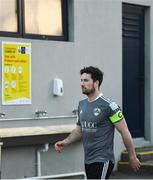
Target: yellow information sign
<point>16,73</point>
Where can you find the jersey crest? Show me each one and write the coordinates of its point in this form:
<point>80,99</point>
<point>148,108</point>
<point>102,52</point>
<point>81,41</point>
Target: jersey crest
<point>96,111</point>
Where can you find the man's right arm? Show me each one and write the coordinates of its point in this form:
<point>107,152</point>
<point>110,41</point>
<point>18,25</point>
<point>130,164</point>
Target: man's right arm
<point>128,142</point>
<point>74,136</point>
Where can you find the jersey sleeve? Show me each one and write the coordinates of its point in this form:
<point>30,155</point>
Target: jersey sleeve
<point>116,114</point>
<point>78,117</point>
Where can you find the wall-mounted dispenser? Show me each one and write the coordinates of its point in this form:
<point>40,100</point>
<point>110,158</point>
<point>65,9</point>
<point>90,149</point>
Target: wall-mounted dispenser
<point>57,87</point>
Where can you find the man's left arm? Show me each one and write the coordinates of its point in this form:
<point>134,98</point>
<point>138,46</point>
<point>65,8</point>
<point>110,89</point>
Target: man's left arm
<point>121,126</point>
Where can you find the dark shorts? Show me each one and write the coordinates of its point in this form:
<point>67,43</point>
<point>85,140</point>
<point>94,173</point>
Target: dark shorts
<point>99,170</point>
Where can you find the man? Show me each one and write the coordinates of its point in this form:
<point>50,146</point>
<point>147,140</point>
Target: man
<point>97,118</point>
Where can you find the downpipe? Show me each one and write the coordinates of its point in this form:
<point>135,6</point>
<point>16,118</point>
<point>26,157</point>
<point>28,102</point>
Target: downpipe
<point>1,159</point>
<point>44,148</point>
<point>41,149</point>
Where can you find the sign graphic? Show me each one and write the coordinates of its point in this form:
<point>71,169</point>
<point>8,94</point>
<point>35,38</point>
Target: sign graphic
<point>16,73</point>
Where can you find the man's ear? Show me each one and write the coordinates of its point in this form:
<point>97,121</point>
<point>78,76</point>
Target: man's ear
<point>97,83</point>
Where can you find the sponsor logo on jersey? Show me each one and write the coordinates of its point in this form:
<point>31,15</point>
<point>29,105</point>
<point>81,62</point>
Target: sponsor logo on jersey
<point>89,126</point>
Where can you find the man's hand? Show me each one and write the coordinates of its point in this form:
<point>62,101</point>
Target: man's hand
<point>74,136</point>
<point>59,146</point>
<point>135,164</point>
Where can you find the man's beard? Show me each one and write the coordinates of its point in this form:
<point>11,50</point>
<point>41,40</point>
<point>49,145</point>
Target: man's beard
<point>88,91</point>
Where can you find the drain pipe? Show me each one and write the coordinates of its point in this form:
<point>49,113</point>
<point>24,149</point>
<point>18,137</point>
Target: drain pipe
<point>1,159</point>
<point>42,148</point>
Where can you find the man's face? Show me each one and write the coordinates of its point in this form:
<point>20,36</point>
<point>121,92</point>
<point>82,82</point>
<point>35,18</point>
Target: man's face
<point>87,84</point>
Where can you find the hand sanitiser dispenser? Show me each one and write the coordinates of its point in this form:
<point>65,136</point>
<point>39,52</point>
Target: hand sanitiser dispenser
<point>57,87</point>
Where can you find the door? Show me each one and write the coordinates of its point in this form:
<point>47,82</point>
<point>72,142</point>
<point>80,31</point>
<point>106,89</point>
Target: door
<point>133,68</point>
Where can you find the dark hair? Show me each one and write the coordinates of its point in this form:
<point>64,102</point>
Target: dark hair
<point>96,74</point>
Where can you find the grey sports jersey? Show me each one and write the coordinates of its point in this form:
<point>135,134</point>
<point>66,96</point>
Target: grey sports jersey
<point>96,120</point>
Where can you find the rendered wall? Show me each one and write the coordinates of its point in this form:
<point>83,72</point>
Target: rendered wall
<point>95,28</point>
